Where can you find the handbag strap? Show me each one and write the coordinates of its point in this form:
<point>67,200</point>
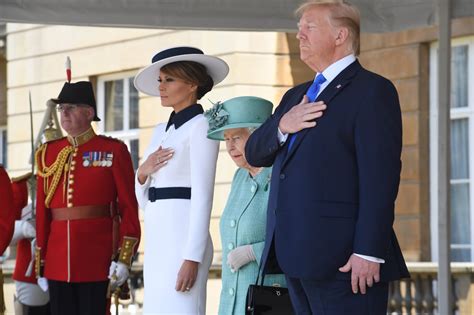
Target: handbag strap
<point>258,275</point>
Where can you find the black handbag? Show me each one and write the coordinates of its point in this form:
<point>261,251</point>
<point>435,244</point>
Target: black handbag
<point>267,300</point>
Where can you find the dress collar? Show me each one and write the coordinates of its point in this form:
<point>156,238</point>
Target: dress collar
<point>82,138</point>
<point>180,118</point>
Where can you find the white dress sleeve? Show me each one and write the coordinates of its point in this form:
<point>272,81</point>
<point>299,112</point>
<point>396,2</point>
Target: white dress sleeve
<point>203,159</point>
<point>141,190</point>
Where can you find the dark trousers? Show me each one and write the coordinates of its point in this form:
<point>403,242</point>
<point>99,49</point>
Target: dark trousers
<point>80,298</point>
<point>36,310</point>
<point>335,297</point>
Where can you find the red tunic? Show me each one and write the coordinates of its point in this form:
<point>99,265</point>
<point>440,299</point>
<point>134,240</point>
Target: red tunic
<point>23,249</point>
<point>7,213</point>
<point>100,172</point>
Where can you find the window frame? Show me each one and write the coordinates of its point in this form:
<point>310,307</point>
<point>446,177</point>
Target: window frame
<point>455,113</point>
<point>126,134</point>
<point>3,155</point>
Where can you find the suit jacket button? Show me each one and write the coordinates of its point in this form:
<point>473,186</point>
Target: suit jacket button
<point>282,176</point>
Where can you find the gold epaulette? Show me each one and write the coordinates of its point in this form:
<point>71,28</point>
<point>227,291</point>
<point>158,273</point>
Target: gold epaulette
<point>127,250</point>
<point>20,178</point>
<point>49,141</point>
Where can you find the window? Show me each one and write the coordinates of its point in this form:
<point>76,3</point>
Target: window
<point>117,101</point>
<point>462,150</point>
<point>3,146</point>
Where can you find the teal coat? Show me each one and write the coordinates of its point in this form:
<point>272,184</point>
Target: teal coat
<point>242,223</point>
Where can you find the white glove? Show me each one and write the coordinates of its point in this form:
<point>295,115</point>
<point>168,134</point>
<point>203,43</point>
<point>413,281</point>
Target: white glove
<point>28,229</point>
<point>240,256</point>
<point>118,274</point>
<point>43,284</point>
<point>23,229</point>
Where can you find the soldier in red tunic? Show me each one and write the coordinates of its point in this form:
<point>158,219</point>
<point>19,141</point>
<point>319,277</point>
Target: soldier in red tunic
<point>87,215</point>
<point>7,219</point>
<point>7,214</point>
<point>29,298</point>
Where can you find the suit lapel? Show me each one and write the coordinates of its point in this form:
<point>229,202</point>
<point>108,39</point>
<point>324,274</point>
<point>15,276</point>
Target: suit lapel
<point>298,95</point>
<point>294,100</point>
<point>340,82</point>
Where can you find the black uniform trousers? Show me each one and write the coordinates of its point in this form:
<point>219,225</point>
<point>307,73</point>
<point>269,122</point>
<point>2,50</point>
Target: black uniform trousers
<point>36,310</point>
<point>78,298</point>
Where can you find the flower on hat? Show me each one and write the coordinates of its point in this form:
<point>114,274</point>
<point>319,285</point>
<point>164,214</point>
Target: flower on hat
<point>216,116</point>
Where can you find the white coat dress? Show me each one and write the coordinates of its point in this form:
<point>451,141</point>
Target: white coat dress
<point>178,229</point>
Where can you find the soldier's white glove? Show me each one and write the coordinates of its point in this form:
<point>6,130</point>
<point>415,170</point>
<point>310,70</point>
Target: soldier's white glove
<point>23,229</point>
<point>43,284</point>
<point>28,229</point>
<point>240,256</point>
<point>118,274</point>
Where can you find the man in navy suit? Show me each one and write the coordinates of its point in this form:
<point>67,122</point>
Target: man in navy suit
<point>335,146</point>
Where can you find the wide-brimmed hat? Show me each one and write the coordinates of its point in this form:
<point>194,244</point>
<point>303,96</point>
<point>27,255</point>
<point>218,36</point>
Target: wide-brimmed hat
<point>146,79</point>
<point>237,112</point>
<point>78,93</point>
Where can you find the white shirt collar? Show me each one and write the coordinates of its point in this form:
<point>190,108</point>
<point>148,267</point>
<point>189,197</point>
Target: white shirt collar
<point>334,69</point>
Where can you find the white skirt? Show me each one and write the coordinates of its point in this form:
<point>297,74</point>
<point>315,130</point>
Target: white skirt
<point>166,234</point>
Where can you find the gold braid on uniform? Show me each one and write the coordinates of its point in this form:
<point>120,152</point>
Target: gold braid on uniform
<point>39,263</point>
<point>55,170</point>
<point>127,249</point>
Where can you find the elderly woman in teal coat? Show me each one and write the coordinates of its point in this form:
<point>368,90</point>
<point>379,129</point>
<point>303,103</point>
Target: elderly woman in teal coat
<point>242,225</point>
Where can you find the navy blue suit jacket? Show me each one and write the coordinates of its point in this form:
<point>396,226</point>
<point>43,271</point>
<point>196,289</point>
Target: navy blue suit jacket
<point>333,193</point>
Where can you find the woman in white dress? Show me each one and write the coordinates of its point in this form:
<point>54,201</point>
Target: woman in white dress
<point>175,183</point>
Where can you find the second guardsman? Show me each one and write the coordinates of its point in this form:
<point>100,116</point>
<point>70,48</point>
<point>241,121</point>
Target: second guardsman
<point>87,215</point>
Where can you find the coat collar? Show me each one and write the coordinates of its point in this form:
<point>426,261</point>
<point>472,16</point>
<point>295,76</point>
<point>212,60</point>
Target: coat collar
<point>82,138</point>
<point>180,118</point>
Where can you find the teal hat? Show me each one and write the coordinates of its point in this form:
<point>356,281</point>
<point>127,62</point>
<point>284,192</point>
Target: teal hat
<point>238,112</point>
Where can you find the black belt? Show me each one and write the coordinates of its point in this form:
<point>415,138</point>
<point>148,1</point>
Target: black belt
<point>169,193</point>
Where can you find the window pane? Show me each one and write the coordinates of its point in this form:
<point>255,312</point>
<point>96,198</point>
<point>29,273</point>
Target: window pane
<point>3,148</point>
<point>460,254</point>
<point>460,149</point>
<point>134,153</point>
<point>113,105</point>
<point>459,71</point>
<point>133,101</point>
<point>460,214</point>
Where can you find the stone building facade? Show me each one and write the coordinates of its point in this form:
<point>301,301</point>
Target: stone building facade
<point>263,64</point>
